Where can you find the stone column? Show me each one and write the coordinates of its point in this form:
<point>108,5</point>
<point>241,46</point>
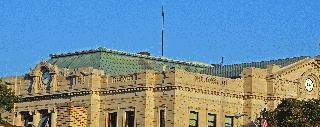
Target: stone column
<point>53,119</point>
<point>36,118</point>
<point>17,120</point>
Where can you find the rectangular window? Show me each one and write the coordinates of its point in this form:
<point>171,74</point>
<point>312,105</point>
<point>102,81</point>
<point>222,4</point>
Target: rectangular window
<point>193,119</point>
<point>27,119</point>
<point>228,121</point>
<point>212,120</point>
<point>45,118</point>
<point>112,119</point>
<point>162,118</point>
<point>129,119</point>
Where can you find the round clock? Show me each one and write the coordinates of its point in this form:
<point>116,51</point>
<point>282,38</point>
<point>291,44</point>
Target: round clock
<point>309,84</point>
<point>46,77</point>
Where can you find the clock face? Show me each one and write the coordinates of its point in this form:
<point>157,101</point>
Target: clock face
<point>46,77</point>
<point>309,85</point>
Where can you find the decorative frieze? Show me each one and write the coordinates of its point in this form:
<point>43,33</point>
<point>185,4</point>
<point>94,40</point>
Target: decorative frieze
<point>123,78</point>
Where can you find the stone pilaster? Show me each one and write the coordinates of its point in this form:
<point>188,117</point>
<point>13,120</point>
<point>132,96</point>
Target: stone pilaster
<point>53,84</point>
<point>17,120</point>
<point>94,114</point>
<point>36,118</point>
<point>53,119</point>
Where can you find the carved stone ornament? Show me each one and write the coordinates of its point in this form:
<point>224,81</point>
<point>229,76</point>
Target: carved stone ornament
<point>43,77</point>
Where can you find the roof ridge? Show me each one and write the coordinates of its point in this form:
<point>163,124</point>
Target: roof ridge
<point>276,60</point>
<point>234,70</point>
<point>107,50</point>
<point>77,52</point>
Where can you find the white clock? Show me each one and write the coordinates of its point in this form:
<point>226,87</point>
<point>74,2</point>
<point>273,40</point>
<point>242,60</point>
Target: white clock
<point>309,84</point>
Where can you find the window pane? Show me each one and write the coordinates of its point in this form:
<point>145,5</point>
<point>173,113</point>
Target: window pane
<point>211,124</point>
<point>193,116</point>
<point>193,119</point>
<point>211,120</point>
<point>211,117</point>
<point>162,118</point>
<point>228,121</point>
<point>129,119</point>
<point>112,119</point>
<point>193,123</point>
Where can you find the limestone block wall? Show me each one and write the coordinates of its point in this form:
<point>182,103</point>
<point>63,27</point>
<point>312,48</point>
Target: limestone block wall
<point>80,79</point>
<point>164,100</point>
<point>284,88</point>
<point>145,104</point>
<point>255,81</point>
<point>78,116</point>
<point>94,110</point>
<point>137,80</point>
<point>296,70</point>
<point>207,83</point>
<point>8,116</point>
<point>145,93</point>
<point>203,104</point>
<point>255,92</point>
<point>207,94</point>
<point>63,83</point>
<point>123,102</point>
<point>62,106</point>
<point>252,108</point>
<point>72,116</point>
<point>63,116</point>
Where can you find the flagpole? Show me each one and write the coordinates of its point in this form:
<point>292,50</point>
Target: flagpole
<point>162,14</point>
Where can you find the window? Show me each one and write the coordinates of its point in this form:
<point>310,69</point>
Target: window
<point>162,118</point>
<point>193,119</point>
<point>112,119</point>
<point>129,119</point>
<point>27,119</point>
<point>228,121</point>
<point>45,119</point>
<point>211,120</point>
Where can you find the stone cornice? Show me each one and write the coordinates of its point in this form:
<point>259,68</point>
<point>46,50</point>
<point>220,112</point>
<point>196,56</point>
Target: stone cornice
<point>69,95</point>
<point>292,68</point>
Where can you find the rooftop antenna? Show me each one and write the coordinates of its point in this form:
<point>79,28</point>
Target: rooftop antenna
<point>221,63</point>
<point>162,14</point>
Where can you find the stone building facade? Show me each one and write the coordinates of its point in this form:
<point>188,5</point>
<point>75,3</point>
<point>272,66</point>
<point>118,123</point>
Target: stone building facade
<point>108,88</point>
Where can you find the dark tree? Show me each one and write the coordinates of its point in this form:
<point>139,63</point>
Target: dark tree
<point>7,98</point>
<point>296,113</point>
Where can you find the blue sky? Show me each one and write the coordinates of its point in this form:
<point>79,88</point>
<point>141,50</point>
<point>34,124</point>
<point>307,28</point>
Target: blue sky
<point>206,30</point>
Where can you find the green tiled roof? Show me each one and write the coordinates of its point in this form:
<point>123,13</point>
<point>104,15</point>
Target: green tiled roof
<point>117,62</point>
<point>234,71</point>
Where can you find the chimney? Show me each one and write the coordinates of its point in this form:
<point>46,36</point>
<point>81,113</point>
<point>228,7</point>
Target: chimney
<point>144,53</point>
